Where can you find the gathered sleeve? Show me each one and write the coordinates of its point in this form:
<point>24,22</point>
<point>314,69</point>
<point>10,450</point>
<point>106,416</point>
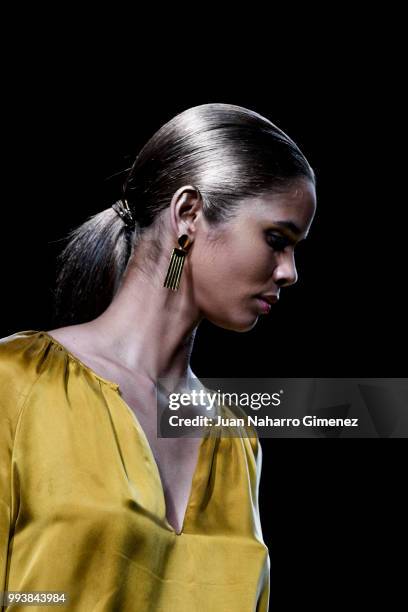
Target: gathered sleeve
<point>16,380</point>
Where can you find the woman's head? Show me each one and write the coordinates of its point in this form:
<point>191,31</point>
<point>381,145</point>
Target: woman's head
<point>244,173</point>
<point>230,265</point>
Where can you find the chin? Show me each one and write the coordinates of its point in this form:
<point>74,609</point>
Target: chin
<point>242,326</point>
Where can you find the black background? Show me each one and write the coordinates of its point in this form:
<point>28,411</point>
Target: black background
<point>331,509</point>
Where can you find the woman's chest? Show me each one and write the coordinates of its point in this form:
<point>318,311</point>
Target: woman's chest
<point>177,458</point>
<point>85,450</point>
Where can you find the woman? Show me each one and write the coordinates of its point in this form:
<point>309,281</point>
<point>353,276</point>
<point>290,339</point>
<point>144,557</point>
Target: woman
<point>93,503</point>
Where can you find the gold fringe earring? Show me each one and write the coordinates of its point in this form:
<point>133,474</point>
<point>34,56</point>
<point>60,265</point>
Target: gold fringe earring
<point>172,280</point>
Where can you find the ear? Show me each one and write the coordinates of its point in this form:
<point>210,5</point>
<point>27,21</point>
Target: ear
<point>185,209</point>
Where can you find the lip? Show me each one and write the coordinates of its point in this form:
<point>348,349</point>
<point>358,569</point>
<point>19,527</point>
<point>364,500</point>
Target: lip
<point>266,302</point>
<point>270,298</point>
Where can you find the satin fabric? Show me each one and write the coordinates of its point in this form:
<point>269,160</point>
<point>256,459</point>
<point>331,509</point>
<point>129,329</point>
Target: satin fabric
<point>82,507</point>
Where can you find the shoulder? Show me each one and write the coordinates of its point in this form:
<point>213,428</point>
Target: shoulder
<point>20,354</point>
<point>247,432</point>
<point>22,358</point>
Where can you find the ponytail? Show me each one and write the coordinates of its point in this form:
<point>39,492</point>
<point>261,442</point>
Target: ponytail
<point>91,266</point>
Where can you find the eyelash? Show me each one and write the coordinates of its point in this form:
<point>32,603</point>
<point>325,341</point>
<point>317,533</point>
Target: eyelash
<point>279,243</point>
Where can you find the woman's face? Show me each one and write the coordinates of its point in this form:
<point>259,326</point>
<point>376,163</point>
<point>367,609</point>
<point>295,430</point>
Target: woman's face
<point>250,255</point>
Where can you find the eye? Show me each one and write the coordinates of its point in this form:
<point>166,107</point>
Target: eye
<point>277,242</point>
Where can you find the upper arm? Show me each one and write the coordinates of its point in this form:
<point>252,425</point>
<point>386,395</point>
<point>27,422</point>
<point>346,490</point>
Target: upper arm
<point>14,387</point>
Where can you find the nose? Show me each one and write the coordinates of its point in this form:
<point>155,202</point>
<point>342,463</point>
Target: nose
<point>285,273</point>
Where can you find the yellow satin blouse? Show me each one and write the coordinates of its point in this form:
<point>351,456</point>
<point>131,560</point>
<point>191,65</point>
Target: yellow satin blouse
<point>82,507</point>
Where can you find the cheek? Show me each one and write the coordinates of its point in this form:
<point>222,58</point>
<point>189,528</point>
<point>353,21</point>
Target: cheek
<point>208,272</point>
<point>247,264</point>
<point>233,270</point>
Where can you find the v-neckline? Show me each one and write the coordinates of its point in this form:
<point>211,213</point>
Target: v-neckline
<point>196,473</point>
<point>208,435</point>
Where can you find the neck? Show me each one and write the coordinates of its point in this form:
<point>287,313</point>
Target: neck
<point>149,329</point>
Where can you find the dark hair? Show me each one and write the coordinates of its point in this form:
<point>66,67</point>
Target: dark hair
<point>228,152</point>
